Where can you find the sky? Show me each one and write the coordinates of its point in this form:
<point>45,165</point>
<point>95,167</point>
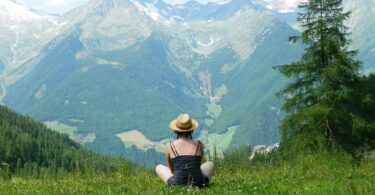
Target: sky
<point>61,6</point>
<point>53,6</point>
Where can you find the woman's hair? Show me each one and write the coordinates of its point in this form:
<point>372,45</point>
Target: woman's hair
<point>185,134</point>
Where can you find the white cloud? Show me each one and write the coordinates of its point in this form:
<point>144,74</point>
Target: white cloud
<point>174,2</point>
<point>61,6</point>
<point>293,3</point>
<point>53,6</point>
<point>56,3</point>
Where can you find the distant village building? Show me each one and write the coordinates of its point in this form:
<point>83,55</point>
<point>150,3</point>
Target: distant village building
<point>263,149</point>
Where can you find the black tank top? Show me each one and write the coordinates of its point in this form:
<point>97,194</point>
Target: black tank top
<point>187,169</point>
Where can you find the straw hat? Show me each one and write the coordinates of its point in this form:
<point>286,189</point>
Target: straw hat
<point>183,124</point>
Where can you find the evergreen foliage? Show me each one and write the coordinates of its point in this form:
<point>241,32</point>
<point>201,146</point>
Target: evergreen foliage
<point>364,113</point>
<point>29,148</point>
<point>321,99</point>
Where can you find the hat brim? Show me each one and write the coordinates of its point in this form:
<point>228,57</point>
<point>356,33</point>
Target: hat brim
<point>174,127</point>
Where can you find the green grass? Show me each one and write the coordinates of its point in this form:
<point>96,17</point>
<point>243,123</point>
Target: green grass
<point>213,110</point>
<point>209,122</point>
<point>227,68</point>
<point>60,127</point>
<point>219,142</point>
<point>309,174</point>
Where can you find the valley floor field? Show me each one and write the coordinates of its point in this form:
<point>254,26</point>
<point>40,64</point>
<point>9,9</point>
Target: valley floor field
<point>137,138</point>
<point>61,128</point>
<point>214,142</point>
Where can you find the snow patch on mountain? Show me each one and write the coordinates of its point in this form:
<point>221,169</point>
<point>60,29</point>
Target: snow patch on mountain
<point>17,12</point>
<point>177,18</point>
<point>152,12</point>
<point>212,41</point>
<point>284,6</point>
<point>23,33</point>
<point>223,2</point>
<point>3,91</point>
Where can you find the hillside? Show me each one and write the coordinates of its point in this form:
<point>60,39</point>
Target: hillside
<point>324,173</point>
<point>45,162</point>
<point>29,148</point>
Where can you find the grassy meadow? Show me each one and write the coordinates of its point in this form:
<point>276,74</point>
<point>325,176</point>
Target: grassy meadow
<point>323,173</point>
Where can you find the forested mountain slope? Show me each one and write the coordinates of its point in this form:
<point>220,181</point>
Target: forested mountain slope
<point>27,145</point>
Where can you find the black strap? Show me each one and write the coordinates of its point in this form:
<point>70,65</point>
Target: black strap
<point>170,144</point>
<point>199,143</point>
<point>173,147</point>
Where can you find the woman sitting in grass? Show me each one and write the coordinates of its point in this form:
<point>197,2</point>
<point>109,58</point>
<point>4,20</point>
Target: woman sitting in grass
<point>184,157</point>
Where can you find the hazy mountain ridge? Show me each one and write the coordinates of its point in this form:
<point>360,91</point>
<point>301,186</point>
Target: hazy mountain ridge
<point>23,33</point>
<point>362,23</point>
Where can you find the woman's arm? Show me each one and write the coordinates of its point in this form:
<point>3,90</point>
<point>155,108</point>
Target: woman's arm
<point>169,160</point>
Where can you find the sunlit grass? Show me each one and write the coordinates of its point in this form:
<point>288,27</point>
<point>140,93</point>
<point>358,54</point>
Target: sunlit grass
<point>312,174</point>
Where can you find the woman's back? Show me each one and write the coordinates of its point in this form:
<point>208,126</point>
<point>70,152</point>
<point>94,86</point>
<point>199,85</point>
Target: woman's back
<point>186,163</point>
<point>185,147</point>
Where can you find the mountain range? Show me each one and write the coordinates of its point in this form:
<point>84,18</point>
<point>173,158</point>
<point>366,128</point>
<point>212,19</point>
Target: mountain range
<point>23,33</point>
<point>113,73</point>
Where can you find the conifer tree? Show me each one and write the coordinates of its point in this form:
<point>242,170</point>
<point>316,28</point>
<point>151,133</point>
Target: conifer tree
<point>319,96</point>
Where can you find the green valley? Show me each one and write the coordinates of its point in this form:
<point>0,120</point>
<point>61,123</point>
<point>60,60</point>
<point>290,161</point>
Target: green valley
<point>91,83</point>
